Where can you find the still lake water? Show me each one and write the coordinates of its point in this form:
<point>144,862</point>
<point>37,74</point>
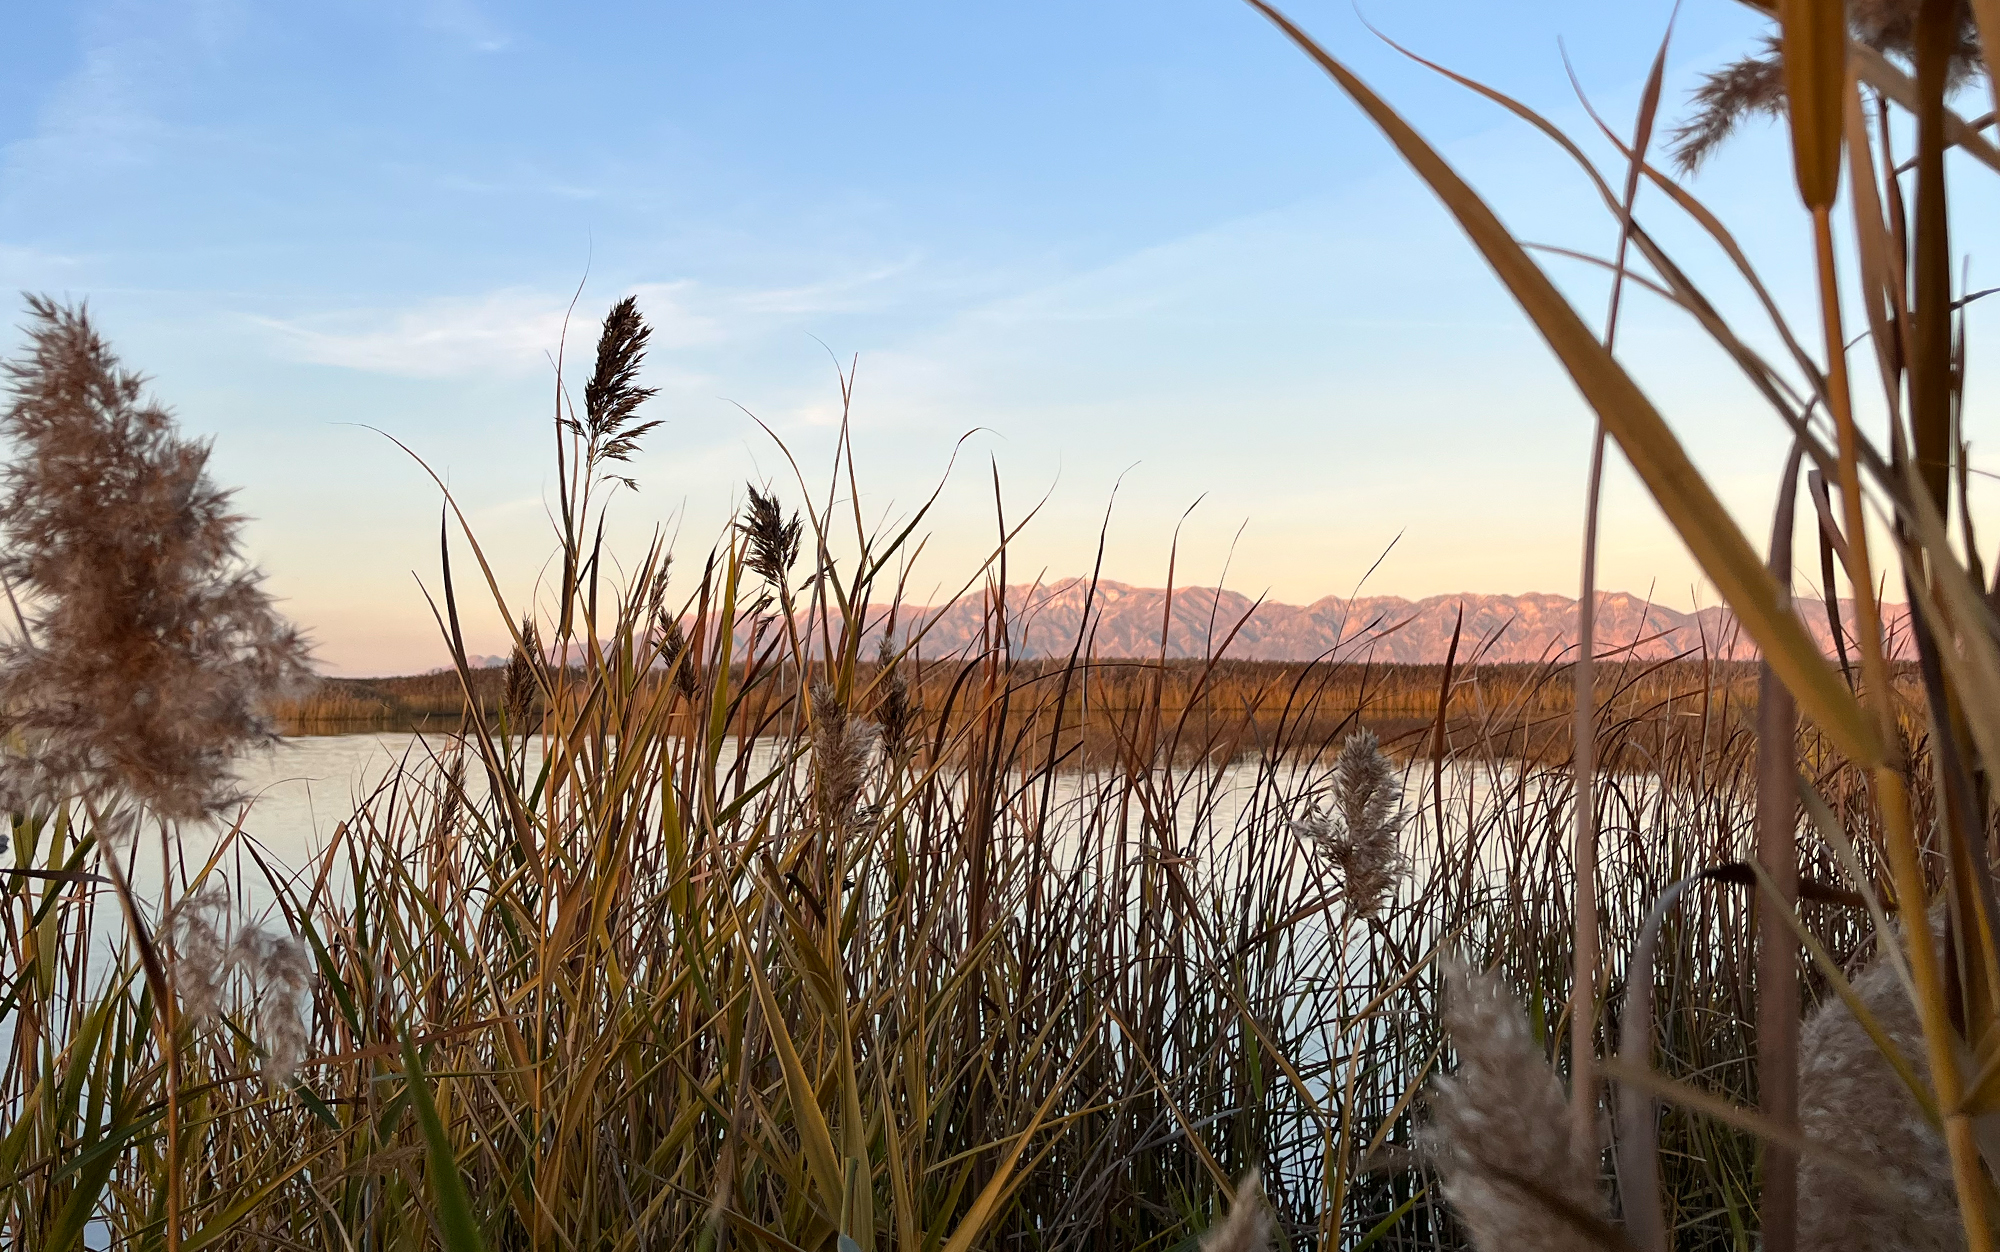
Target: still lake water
<point>302,789</point>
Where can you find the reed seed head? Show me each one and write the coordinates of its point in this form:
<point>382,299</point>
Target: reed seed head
<point>896,711</point>
<point>522,688</point>
<point>1248,1226</point>
<point>676,656</point>
<point>199,959</point>
<point>1361,836</point>
<point>613,395</point>
<point>281,969</point>
<point>208,948</point>
<point>841,747</point>
<point>1500,1129</point>
<point>774,541</point>
<point>151,650</point>
<point>1750,87</point>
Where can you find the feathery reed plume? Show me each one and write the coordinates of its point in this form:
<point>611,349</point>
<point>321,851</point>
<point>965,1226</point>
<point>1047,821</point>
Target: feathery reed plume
<point>208,948</point>
<point>896,711</point>
<point>678,658</point>
<point>656,593</point>
<point>664,627</point>
<point>281,969</point>
<point>1849,1095</point>
<point>521,685</point>
<point>1248,1226</point>
<point>151,649</point>
<point>1743,89</point>
<point>774,542</point>
<point>451,788</point>
<point>613,394</point>
<point>1360,836</point>
<point>841,745</point>
<point>1500,1130</point>
<point>1891,26</point>
<point>198,926</point>
<point>1756,84</point>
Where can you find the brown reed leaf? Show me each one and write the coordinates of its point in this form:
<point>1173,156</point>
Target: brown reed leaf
<point>152,650</point>
<point>1813,48</point>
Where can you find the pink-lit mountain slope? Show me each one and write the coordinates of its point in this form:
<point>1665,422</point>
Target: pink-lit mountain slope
<point>1124,621</point>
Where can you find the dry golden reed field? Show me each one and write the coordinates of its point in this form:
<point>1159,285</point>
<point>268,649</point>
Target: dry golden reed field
<point>733,913</point>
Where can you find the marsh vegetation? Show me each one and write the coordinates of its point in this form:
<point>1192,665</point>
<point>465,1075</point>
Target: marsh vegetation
<point>971,950</point>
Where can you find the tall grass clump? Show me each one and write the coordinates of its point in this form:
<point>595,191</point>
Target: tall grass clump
<point>1838,73</point>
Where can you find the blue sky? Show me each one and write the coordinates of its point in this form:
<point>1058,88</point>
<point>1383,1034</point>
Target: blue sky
<point>1145,239</point>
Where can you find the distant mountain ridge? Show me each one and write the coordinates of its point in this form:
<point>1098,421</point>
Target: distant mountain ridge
<point>1124,621</point>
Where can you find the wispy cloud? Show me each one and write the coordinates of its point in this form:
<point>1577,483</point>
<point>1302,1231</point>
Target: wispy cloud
<point>466,22</point>
<point>512,332</point>
<point>837,295</point>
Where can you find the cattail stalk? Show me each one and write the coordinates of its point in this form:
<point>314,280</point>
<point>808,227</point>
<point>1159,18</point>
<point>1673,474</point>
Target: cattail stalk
<point>1815,51</point>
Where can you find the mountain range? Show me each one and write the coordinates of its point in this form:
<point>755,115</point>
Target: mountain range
<point>1125,621</point>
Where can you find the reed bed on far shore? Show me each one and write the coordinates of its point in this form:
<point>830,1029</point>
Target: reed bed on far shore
<point>1221,707</point>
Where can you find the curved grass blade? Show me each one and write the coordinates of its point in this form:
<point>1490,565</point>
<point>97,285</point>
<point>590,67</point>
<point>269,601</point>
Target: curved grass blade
<point>454,1208</point>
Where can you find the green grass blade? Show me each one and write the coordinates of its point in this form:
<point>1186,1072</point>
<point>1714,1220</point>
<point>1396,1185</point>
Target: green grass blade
<point>454,1209</point>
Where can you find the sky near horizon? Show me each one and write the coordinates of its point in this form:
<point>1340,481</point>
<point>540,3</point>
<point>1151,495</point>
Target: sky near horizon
<point>1135,256</point>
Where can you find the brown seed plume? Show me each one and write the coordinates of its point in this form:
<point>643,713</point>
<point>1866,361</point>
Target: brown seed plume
<point>841,746</point>
<point>896,712</point>
<point>1500,1130</point>
<point>774,542</point>
<point>1360,837</point>
<point>522,688</point>
<point>1743,89</point>
<point>676,656</point>
<point>209,947</point>
<point>613,395</point>
<point>199,924</point>
<point>151,649</point>
<point>281,970</point>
